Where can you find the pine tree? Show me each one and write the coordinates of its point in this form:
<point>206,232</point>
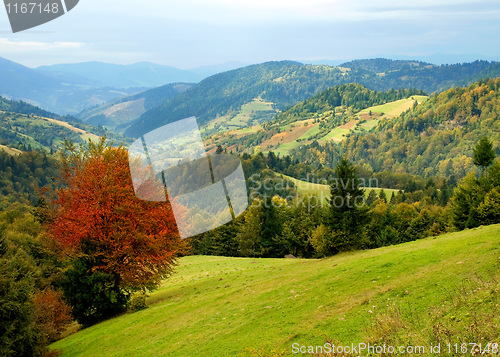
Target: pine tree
<point>372,197</point>
<point>348,211</point>
<point>483,154</point>
<point>382,195</point>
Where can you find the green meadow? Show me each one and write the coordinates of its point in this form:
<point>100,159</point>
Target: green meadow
<point>309,188</point>
<point>393,109</point>
<point>419,292</point>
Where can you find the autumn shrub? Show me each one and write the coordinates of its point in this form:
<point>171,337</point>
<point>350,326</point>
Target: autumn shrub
<point>52,314</point>
<point>138,302</point>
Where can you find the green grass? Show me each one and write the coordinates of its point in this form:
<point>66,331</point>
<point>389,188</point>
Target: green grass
<point>284,149</point>
<point>370,124</point>
<point>314,129</point>
<point>337,133</point>
<point>393,109</point>
<point>10,151</point>
<point>216,306</point>
<point>242,119</point>
<point>308,188</point>
<point>249,130</point>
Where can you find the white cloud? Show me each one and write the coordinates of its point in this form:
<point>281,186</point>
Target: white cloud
<point>12,46</point>
<point>188,33</point>
<point>308,10</point>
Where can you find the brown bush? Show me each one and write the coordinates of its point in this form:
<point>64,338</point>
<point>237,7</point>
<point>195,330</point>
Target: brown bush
<point>53,315</point>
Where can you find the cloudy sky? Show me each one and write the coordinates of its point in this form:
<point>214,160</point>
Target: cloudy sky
<point>191,33</point>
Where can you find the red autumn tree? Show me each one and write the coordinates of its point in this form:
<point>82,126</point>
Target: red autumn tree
<point>97,215</point>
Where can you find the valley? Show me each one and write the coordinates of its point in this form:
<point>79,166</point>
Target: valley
<point>89,269</point>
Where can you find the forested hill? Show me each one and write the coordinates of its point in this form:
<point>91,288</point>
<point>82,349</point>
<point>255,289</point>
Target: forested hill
<point>435,138</point>
<point>282,83</point>
<point>26,108</point>
<point>383,65</point>
<point>118,113</point>
<point>351,96</point>
<point>286,83</point>
<point>323,118</point>
<point>382,74</point>
<point>25,127</point>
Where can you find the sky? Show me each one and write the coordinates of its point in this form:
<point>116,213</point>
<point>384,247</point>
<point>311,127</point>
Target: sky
<point>192,33</point>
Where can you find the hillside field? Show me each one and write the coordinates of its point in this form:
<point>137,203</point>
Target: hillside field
<point>309,188</point>
<point>414,293</point>
<point>9,150</point>
<point>396,108</point>
<point>301,132</point>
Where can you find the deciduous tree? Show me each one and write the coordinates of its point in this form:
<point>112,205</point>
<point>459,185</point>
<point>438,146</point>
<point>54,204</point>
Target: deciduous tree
<point>101,222</point>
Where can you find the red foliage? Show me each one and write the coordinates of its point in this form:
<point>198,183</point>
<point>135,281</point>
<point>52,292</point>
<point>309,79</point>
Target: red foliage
<point>53,315</point>
<point>133,238</point>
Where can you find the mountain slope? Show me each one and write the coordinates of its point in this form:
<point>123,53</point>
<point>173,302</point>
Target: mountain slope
<point>25,127</point>
<point>119,112</point>
<point>328,116</point>
<point>395,295</point>
<point>284,84</point>
<point>22,82</point>
<point>281,83</point>
<point>435,138</point>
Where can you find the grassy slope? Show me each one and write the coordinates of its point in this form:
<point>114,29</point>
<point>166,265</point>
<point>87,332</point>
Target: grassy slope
<point>324,190</point>
<point>394,109</point>
<point>215,306</point>
<point>83,134</point>
<point>9,150</point>
<point>46,122</point>
<point>243,119</point>
<point>284,144</point>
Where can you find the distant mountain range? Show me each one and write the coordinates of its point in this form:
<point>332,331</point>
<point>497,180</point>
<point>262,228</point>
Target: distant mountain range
<point>71,88</point>
<point>53,93</point>
<point>143,74</point>
<point>120,97</point>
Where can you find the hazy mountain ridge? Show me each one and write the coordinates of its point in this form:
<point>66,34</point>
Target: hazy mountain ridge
<point>72,88</point>
<point>118,113</point>
<point>141,74</point>
<point>52,93</point>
